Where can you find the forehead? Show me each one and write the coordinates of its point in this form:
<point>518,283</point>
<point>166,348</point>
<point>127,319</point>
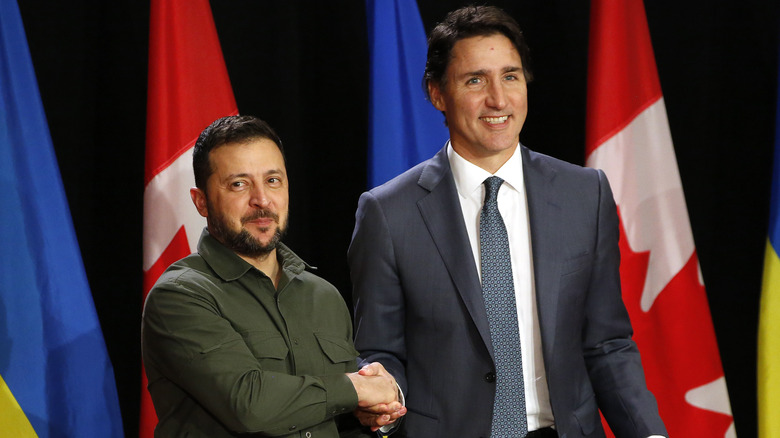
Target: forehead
<point>256,156</point>
<point>484,52</point>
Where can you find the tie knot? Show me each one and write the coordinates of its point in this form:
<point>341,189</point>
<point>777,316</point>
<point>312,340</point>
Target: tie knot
<point>492,185</point>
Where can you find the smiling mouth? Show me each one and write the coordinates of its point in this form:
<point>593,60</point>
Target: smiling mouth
<point>495,120</point>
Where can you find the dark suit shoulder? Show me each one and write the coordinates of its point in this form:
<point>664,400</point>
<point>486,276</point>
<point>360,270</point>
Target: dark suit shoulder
<point>563,172</point>
<point>417,181</point>
<point>540,159</point>
<point>400,182</point>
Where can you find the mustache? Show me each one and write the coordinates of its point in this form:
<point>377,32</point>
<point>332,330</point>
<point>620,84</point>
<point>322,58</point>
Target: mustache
<point>259,214</point>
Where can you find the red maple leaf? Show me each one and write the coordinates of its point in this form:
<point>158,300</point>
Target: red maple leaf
<point>677,342</point>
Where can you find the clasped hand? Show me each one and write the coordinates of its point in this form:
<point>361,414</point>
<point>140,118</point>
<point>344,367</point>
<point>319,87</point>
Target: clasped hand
<point>377,392</point>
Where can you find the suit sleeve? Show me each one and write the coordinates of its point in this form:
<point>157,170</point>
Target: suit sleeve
<point>377,292</point>
<point>612,357</point>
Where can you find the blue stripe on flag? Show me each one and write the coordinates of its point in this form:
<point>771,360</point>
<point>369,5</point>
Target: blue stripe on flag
<point>404,128</point>
<point>774,212</point>
<point>52,353</point>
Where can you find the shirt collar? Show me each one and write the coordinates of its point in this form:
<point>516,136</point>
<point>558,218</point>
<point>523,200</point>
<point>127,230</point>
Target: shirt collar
<point>229,266</point>
<point>469,177</point>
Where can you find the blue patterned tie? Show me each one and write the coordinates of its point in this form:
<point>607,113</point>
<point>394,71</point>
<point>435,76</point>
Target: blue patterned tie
<point>509,417</point>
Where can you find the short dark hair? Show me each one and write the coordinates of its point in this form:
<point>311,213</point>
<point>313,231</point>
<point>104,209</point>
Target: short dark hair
<point>467,22</point>
<point>230,129</point>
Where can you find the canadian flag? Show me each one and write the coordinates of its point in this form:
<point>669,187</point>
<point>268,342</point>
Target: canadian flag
<point>188,89</point>
<point>628,137</point>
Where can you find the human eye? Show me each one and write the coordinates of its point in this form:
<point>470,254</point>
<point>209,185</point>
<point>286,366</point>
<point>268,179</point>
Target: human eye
<point>274,181</point>
<point>473,80</point>
<point>238,184</point>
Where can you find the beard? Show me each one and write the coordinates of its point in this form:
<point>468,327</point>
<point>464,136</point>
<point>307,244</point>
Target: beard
<point>242,242</point>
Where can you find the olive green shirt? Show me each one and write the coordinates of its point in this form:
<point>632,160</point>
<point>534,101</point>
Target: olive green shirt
<point>227,354</point>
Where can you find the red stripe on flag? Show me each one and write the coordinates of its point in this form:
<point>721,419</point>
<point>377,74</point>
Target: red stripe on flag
<point>188,82</point>
<point>622,76</point>
<point>188,88</point>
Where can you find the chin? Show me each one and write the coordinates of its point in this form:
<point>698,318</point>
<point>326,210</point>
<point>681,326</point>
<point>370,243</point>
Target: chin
<point>500,148</point>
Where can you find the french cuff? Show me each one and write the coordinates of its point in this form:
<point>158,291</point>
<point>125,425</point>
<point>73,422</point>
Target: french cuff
<point>387,429</point>
<point>340,395</point>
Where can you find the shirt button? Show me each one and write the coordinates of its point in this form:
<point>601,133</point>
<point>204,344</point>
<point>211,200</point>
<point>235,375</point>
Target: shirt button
<point>295,341</point>
<point>490,377</point>
<point>293,427</point>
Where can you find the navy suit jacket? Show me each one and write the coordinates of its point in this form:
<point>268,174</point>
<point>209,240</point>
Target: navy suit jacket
<point>419,308</point>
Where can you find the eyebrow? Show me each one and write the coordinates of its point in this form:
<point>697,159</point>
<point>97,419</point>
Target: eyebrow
<point>507,69</point>
<point>250,175</point>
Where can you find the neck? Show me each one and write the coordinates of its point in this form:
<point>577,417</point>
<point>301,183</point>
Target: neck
<point>490,162</point>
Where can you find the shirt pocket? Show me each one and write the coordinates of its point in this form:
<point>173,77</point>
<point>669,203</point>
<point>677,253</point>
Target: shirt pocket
<point>268,348</point>
<point>339,351</point>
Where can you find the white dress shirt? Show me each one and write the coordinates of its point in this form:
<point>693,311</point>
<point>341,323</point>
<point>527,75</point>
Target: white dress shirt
<point>512,205</point>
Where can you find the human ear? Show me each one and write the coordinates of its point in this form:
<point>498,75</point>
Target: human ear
<point>434,91</point>
<point>199,199</point>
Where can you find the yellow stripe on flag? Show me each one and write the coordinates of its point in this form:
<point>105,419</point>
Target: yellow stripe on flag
<point>12,417</point>
<point>769,348</point>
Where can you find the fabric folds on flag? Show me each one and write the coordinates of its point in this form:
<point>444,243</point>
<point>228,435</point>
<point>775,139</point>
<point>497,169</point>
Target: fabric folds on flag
<point>769,322</point>
<point>404,128</point>
<point>56,378</point>
<point>188,88</point>
<point>628,137</point>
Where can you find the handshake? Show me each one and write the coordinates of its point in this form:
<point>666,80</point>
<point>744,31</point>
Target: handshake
<point>378,396</point>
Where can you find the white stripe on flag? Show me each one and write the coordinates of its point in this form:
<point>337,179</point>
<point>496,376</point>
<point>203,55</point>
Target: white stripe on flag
<point>168,206</point>
<point>642,169</point>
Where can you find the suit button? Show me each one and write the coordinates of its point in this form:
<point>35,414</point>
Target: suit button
<point>490,377</point>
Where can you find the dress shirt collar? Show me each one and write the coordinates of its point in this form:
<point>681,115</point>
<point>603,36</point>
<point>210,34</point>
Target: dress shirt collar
<point>469,177</point>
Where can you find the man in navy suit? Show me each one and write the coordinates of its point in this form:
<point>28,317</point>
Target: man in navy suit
<point>416,267</point>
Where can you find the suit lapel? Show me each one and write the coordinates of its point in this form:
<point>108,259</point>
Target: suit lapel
<point>544,218</point>
<point>440,210</point>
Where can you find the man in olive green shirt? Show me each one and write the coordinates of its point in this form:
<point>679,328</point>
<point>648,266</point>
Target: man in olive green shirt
<point>240,338</point>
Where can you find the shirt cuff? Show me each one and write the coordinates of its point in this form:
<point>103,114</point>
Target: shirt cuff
<point>386,429</point>
<point>340,394</point>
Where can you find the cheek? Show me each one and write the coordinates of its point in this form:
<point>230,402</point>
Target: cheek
<point>521,98</point>
<point>281,201</point>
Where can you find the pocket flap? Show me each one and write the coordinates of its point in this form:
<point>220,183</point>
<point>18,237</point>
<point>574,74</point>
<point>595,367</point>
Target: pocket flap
<point>267,346</point>
<point>337,349</point>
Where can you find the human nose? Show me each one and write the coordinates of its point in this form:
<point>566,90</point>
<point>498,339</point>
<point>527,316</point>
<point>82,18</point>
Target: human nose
<point>496,96</point>
<point>259,197</point>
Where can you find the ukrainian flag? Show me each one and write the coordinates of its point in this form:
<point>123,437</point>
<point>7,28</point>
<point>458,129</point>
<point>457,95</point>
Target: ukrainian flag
<point>56,379</point>
<point>769,325</point>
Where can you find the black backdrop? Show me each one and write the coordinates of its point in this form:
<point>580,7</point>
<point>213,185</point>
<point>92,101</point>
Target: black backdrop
<point>303,66</point>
